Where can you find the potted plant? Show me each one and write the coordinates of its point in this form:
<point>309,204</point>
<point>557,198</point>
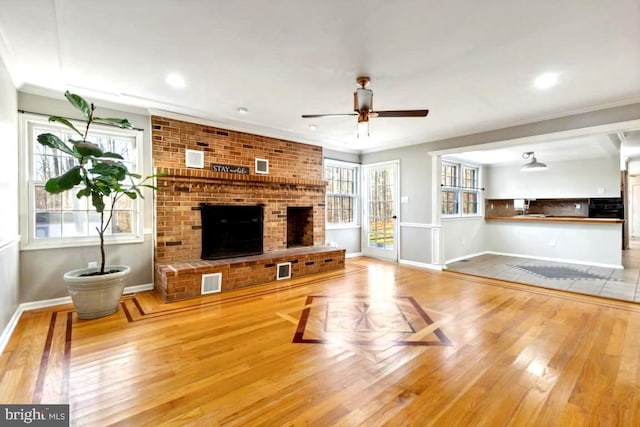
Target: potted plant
<point>103,178</point>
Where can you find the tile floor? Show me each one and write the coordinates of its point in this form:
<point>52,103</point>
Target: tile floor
<point>605,282</point>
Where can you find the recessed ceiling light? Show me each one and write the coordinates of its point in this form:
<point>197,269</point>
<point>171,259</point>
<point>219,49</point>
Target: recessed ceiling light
<point>243,110</point>
<point>313,127</point>
<point>546,80</point>
<point>175,80</point>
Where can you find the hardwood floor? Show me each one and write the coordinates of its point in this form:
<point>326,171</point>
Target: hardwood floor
<point>375,344</point>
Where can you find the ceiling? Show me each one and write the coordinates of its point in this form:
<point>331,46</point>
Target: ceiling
<point>588,147</point>
<point>619,145</point>
<point>471,63</point>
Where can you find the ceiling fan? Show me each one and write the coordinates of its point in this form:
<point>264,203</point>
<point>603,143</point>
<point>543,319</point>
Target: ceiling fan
<point>363,107</point>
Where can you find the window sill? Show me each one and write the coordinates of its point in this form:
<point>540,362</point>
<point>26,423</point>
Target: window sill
<point>341,226</point>
<point>62,244</point>
<point>461,218</point>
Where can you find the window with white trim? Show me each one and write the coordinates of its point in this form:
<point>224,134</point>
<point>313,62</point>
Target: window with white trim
<point>342,192</point>
<point>57,220</point>
<point>460,190</point>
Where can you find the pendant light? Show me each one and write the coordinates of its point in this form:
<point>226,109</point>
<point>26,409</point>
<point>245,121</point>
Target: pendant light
<point>533,164</point>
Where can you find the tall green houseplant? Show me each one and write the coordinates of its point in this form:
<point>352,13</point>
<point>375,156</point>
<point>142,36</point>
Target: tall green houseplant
<point>100,176</point>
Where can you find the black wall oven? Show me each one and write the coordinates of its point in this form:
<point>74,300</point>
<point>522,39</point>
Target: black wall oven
<point>606,207</point>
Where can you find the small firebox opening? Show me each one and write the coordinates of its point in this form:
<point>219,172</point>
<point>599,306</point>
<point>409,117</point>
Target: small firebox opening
<point>299,226</point>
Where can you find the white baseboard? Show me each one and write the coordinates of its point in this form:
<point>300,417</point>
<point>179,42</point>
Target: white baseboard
<point>6,333</point>
<point>353,255</point>
<point>34,305</point>
<point>138,288</point>
<point>420,264</point>
<point>26,306</point>
<point>67,300</point>
<point>460,258</point>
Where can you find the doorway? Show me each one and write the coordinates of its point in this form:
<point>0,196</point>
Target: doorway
<point>635,207</point>
<point>380,237</point>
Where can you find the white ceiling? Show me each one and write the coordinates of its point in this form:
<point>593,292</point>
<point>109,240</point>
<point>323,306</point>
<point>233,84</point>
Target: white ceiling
<point>471,63</point>
<point>584,147</point>
<point>620,145</point>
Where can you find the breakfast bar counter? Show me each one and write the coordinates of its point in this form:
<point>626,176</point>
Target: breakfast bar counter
<point>545,218</point>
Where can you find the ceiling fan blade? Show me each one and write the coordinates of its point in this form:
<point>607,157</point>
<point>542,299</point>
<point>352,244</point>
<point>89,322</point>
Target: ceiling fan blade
<point>399,113</point>
<point>313,116</point>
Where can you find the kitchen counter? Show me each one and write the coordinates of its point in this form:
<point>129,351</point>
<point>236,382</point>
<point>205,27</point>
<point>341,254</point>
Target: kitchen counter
<point>574,239</point>
<point>543,218</point>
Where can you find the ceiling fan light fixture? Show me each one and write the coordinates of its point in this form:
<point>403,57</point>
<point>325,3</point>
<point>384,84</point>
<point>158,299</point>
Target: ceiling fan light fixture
<point>363,109</point>
<point>533,164</point>
<point>363,129</point>
<point>362,99</point>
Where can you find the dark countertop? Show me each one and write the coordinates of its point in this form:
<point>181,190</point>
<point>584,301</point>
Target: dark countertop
<point>542,218</point>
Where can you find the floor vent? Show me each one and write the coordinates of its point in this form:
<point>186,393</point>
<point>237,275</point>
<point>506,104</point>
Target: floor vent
<point>283,271</point>
<point>211,283</point>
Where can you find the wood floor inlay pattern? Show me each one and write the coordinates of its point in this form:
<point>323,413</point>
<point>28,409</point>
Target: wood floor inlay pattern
<point>516,355</point>
<point>52,384</point>
<point>395,320</point>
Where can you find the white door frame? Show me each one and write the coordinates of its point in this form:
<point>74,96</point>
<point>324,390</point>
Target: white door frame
<point>635,213</point>
<point>390,255</point>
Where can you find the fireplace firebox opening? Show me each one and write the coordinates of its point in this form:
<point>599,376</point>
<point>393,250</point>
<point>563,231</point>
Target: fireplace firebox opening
<point>299,226</point>
<point>231,231</point>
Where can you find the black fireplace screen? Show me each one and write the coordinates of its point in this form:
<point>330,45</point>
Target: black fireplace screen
<point>231,231</point>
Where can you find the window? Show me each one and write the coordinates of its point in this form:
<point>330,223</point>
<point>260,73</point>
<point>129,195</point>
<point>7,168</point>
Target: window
<point>53,220</point>
<point>342,192</point>
<point>460,189</point>
<point>470,191</point>
<point>450,189</point>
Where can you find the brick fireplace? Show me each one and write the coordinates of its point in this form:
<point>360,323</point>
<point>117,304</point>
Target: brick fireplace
<point>299,226</point>
<point>292,195</point>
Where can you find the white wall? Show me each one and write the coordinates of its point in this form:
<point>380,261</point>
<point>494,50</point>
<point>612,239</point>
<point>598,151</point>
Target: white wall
<point>463,237</point>
<point>574,178</point>
<point>417,244</point>
<point>341,155</point>
<point>596,244</point>
<point>345,238</point>
<point>41,270</point>
<point>9,239</point>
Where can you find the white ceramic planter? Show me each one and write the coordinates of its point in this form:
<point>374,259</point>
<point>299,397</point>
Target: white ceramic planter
<point>96,296</point>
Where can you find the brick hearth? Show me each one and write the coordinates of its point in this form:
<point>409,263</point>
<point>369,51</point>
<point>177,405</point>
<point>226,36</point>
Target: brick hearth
<point>294,180</point>
<point>177,281</point>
